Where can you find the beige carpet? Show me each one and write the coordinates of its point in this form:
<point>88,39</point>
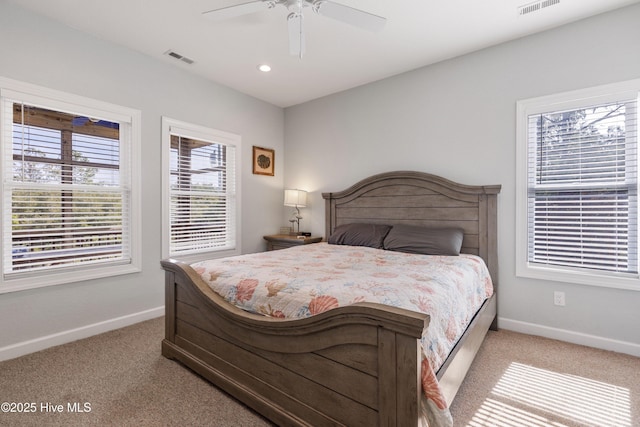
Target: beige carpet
<point>519,381</point>
<point>120,378</point>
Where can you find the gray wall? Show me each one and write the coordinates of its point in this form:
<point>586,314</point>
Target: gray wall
<point>457,119</point>
<point>39,51</point>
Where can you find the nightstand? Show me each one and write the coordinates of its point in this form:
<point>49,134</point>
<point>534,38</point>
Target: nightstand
<point>282,241</point>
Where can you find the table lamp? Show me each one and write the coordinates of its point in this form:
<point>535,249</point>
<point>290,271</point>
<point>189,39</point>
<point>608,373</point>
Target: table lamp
<point>296,198</point>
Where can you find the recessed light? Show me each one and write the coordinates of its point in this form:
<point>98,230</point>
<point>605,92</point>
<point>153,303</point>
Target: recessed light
<point>264,68</point>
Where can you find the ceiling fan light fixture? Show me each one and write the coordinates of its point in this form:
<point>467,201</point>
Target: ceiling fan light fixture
<point>265,68</point>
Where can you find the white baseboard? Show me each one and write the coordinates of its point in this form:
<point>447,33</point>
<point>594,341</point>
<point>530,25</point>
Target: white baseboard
<point>570,336</point>
<point>37,344</point>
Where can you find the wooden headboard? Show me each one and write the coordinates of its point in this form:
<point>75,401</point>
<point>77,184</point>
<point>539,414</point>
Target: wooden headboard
<point>417,198</point>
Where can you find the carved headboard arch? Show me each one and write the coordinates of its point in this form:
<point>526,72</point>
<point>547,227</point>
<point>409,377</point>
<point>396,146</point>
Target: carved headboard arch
<point>418,198</point>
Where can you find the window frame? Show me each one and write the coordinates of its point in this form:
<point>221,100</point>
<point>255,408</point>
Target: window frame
<point>13,90</point>
<point>558,102</point>
<point>203,133</point>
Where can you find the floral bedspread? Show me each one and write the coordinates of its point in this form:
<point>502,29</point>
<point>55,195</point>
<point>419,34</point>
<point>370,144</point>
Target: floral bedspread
<point>310,279</point>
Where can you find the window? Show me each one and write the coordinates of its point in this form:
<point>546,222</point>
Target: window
<point>201,208</point>
<point>577,207</point>
<point>69,207</point>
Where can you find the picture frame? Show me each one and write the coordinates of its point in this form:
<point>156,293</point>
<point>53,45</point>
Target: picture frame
<point>263,161</point>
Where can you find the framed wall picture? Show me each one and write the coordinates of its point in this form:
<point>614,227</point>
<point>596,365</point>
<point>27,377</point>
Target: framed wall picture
<point>263,161</point>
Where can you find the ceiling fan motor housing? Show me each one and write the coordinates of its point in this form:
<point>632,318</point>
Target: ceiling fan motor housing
<point>296,5</point>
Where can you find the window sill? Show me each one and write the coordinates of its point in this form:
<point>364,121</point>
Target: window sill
<point>557,274</point>
<point>48,278</point>
<point>203,256</point>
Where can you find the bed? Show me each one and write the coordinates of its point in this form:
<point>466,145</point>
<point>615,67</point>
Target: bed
<point>354,365</point>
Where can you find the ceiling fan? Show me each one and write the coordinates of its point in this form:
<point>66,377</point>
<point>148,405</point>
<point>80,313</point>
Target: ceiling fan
<point>346,14</point>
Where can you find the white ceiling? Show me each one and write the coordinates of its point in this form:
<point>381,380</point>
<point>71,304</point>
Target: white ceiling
<point>338,56</point>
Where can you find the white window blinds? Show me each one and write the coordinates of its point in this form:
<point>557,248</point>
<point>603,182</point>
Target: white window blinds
<point>582,187</point>
<point>66,190</point>
<point>202,193</point>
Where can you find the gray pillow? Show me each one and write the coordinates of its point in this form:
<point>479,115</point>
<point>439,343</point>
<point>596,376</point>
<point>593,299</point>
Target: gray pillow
<point>424,240</point>
<point>358,234</point>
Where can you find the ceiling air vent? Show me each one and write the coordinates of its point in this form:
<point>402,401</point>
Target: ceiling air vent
<point>179,57</point>
<point>536,6</point>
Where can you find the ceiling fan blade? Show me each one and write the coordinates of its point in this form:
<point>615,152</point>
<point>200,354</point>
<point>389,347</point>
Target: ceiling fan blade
<point>237,10</point>
<point>356,17</point>
<point>296,34</point>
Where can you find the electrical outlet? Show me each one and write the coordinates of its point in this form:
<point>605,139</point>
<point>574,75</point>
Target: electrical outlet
<point>558,298</point>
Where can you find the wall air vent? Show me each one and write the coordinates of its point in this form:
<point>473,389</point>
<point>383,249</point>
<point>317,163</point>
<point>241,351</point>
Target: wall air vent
<point>536,6</point>
<point>179,57</point>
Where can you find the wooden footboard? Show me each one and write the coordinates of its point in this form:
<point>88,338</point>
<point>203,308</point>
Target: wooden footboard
<point>357,365</point>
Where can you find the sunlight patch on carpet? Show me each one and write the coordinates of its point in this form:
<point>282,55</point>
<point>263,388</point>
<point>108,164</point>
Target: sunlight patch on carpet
<point>555,394</point>
<point>499,414</point>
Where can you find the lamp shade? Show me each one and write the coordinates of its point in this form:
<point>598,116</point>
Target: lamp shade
<point>296,198</point>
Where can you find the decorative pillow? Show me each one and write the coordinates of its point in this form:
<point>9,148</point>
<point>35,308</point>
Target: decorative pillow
<point>358,234</point>
<point>424,240</point>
